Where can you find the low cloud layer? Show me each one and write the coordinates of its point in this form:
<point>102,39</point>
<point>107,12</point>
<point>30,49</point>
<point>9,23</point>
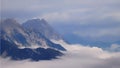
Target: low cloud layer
<point>77,56</point>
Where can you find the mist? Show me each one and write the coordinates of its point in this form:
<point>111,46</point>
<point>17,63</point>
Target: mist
<point>77,56</point>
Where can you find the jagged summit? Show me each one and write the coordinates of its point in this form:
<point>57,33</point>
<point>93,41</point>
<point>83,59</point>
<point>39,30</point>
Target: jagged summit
<point>9,23</point>
<point>41,26</point>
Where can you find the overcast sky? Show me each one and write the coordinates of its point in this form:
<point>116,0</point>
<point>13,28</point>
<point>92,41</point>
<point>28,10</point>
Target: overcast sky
<point>89,16</point>
<point>86,18</point>
<point>62,10</point>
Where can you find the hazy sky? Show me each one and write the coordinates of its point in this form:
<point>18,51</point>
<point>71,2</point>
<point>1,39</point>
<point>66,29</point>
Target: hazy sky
<point>86,18</point>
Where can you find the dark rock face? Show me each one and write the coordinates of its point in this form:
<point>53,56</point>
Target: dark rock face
<point>11,50</point>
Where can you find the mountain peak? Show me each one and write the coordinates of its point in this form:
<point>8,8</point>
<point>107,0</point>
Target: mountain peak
<point>10,19</point>
<point>37,21</point>
<point>42,26</point>
<point>9,22</point>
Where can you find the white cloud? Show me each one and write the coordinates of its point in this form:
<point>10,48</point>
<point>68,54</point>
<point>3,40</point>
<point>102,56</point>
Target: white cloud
<point>114,15</point>
<point>56,16</point>
<point>77,56</point>
<point>114,47</point>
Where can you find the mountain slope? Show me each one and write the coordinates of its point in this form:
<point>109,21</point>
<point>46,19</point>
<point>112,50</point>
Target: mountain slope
<point>8,49</point>
<point>15,33</point>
